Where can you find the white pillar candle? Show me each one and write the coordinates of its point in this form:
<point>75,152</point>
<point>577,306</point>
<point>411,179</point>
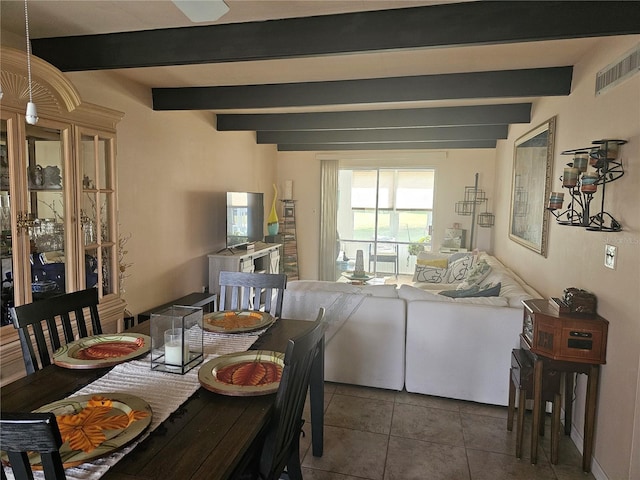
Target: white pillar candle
<point>173,353</point>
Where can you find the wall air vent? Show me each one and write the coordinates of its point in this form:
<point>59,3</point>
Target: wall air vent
<point>618,71</point>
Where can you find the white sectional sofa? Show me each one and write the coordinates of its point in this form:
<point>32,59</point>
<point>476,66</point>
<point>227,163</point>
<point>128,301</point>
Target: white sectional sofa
<point>414,338</point>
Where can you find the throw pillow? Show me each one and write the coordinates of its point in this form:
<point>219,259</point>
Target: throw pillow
<point>440,263</point>
<point>476,274</point>
<point>430,274</point>
<point>458,268</point>
<point>488,290</point>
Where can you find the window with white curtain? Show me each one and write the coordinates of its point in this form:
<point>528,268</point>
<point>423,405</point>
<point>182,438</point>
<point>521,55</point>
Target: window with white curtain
<point>383,211</point>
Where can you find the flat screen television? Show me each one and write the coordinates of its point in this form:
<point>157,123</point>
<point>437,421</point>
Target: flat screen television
<point>245,218</point>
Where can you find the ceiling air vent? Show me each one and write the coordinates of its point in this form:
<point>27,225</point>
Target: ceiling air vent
<point>618,71</point>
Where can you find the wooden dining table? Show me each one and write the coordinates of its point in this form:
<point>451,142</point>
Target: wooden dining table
<point>206,438</point>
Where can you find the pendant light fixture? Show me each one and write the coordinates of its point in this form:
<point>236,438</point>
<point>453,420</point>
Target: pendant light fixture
<point>31,116</point>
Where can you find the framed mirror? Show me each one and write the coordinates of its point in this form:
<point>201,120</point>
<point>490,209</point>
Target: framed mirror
<point>531,185</point>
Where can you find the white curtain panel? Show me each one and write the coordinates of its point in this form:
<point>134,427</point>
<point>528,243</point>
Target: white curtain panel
<point>328,219</point>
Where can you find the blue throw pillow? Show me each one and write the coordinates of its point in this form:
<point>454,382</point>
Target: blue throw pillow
<point>487,290</point>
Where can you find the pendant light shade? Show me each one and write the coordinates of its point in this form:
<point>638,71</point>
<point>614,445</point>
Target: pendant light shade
<point>31,116</point>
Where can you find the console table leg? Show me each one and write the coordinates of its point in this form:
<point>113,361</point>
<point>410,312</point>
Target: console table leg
<point>555,429</point>
<point>522,404</point>
<point>537,405</point>
<point>512,402</point>
<point>568,402</point>
<point>590,416</point>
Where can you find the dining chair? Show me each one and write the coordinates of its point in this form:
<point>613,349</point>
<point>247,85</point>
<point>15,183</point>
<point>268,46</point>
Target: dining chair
<point>279,449</point>
<point>50,315</point>
<point>31,432</point>
<point>250,291</point>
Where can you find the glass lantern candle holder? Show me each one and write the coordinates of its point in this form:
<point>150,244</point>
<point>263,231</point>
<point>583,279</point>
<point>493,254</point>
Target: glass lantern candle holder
<point>176,339</point>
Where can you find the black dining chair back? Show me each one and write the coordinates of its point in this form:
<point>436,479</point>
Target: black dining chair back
<point>252,291</point>
<point>45,318</point>
<point>31,432</point>
<point>281,447</point>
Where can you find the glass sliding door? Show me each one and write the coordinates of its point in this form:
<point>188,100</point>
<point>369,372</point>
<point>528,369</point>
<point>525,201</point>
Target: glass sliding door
<point>387,213</point>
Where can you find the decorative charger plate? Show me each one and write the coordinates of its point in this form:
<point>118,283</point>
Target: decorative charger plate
<point>103,350</point>
<point>243,374</point>
<point>96,425</point>
<point>236,321</point>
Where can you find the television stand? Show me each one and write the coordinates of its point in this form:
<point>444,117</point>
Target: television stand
<point>264,258</point>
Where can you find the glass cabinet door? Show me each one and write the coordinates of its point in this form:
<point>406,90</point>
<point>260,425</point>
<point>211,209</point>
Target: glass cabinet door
<point>98,211</point>
<point>6,243</point>
<point>47,210</point>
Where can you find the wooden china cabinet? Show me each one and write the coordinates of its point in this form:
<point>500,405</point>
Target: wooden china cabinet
<point>58,197</point>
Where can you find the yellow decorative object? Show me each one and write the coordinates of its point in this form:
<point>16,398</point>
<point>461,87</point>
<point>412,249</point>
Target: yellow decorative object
<point>272,221</point>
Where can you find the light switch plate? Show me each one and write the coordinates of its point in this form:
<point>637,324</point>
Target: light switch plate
<point>610,254</point>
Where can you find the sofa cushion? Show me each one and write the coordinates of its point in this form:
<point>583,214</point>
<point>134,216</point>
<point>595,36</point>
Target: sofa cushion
<point>411,294</point>
<point>487,290</point>
<point>439,262</point>
<point>439,268</point>
<point>511,289</point>
<point>428,258</point>
<point>476,275</point>
<point>459,267</point>
<point>386,291</point>
<point>380,291</point>
<point>426,273</point>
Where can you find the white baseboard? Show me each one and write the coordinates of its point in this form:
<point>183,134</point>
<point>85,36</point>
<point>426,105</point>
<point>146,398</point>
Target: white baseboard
<point>578,439</point>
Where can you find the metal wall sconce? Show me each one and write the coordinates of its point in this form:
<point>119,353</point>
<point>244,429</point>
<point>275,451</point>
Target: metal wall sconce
<point>583,184</point>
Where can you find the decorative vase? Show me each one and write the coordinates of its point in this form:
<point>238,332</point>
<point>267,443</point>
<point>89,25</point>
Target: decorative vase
<point>272,220</point>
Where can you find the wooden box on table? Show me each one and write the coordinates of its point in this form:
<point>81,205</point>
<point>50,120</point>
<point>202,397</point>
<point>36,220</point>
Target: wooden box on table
<point>564,336</point>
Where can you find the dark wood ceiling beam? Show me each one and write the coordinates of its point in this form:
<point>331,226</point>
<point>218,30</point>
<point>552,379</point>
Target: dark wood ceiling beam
<point>386,146</point>
<point>454,24</point>
<point>419,117</point>
<point>429,134</point>
<point>534,82</point>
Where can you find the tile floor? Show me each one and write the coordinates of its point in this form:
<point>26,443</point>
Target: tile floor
<point>379,434</point>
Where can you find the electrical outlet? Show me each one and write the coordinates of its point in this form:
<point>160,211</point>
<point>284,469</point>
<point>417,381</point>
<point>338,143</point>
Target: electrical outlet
<point>610,254</point>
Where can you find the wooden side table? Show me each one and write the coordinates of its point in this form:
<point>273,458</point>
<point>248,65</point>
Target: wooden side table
<point>521,378</point>
<point>592,371</point>
<point>569,344</point>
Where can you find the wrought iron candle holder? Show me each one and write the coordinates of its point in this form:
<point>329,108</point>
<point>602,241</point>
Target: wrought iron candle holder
<point>582,185</point>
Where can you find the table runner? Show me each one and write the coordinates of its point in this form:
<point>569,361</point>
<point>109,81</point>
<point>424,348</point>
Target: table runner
<point>164,392</point>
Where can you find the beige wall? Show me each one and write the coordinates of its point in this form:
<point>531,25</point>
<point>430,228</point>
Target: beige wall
<point>576,256</point>
<point>173,169</point>
<point>455,169</point>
